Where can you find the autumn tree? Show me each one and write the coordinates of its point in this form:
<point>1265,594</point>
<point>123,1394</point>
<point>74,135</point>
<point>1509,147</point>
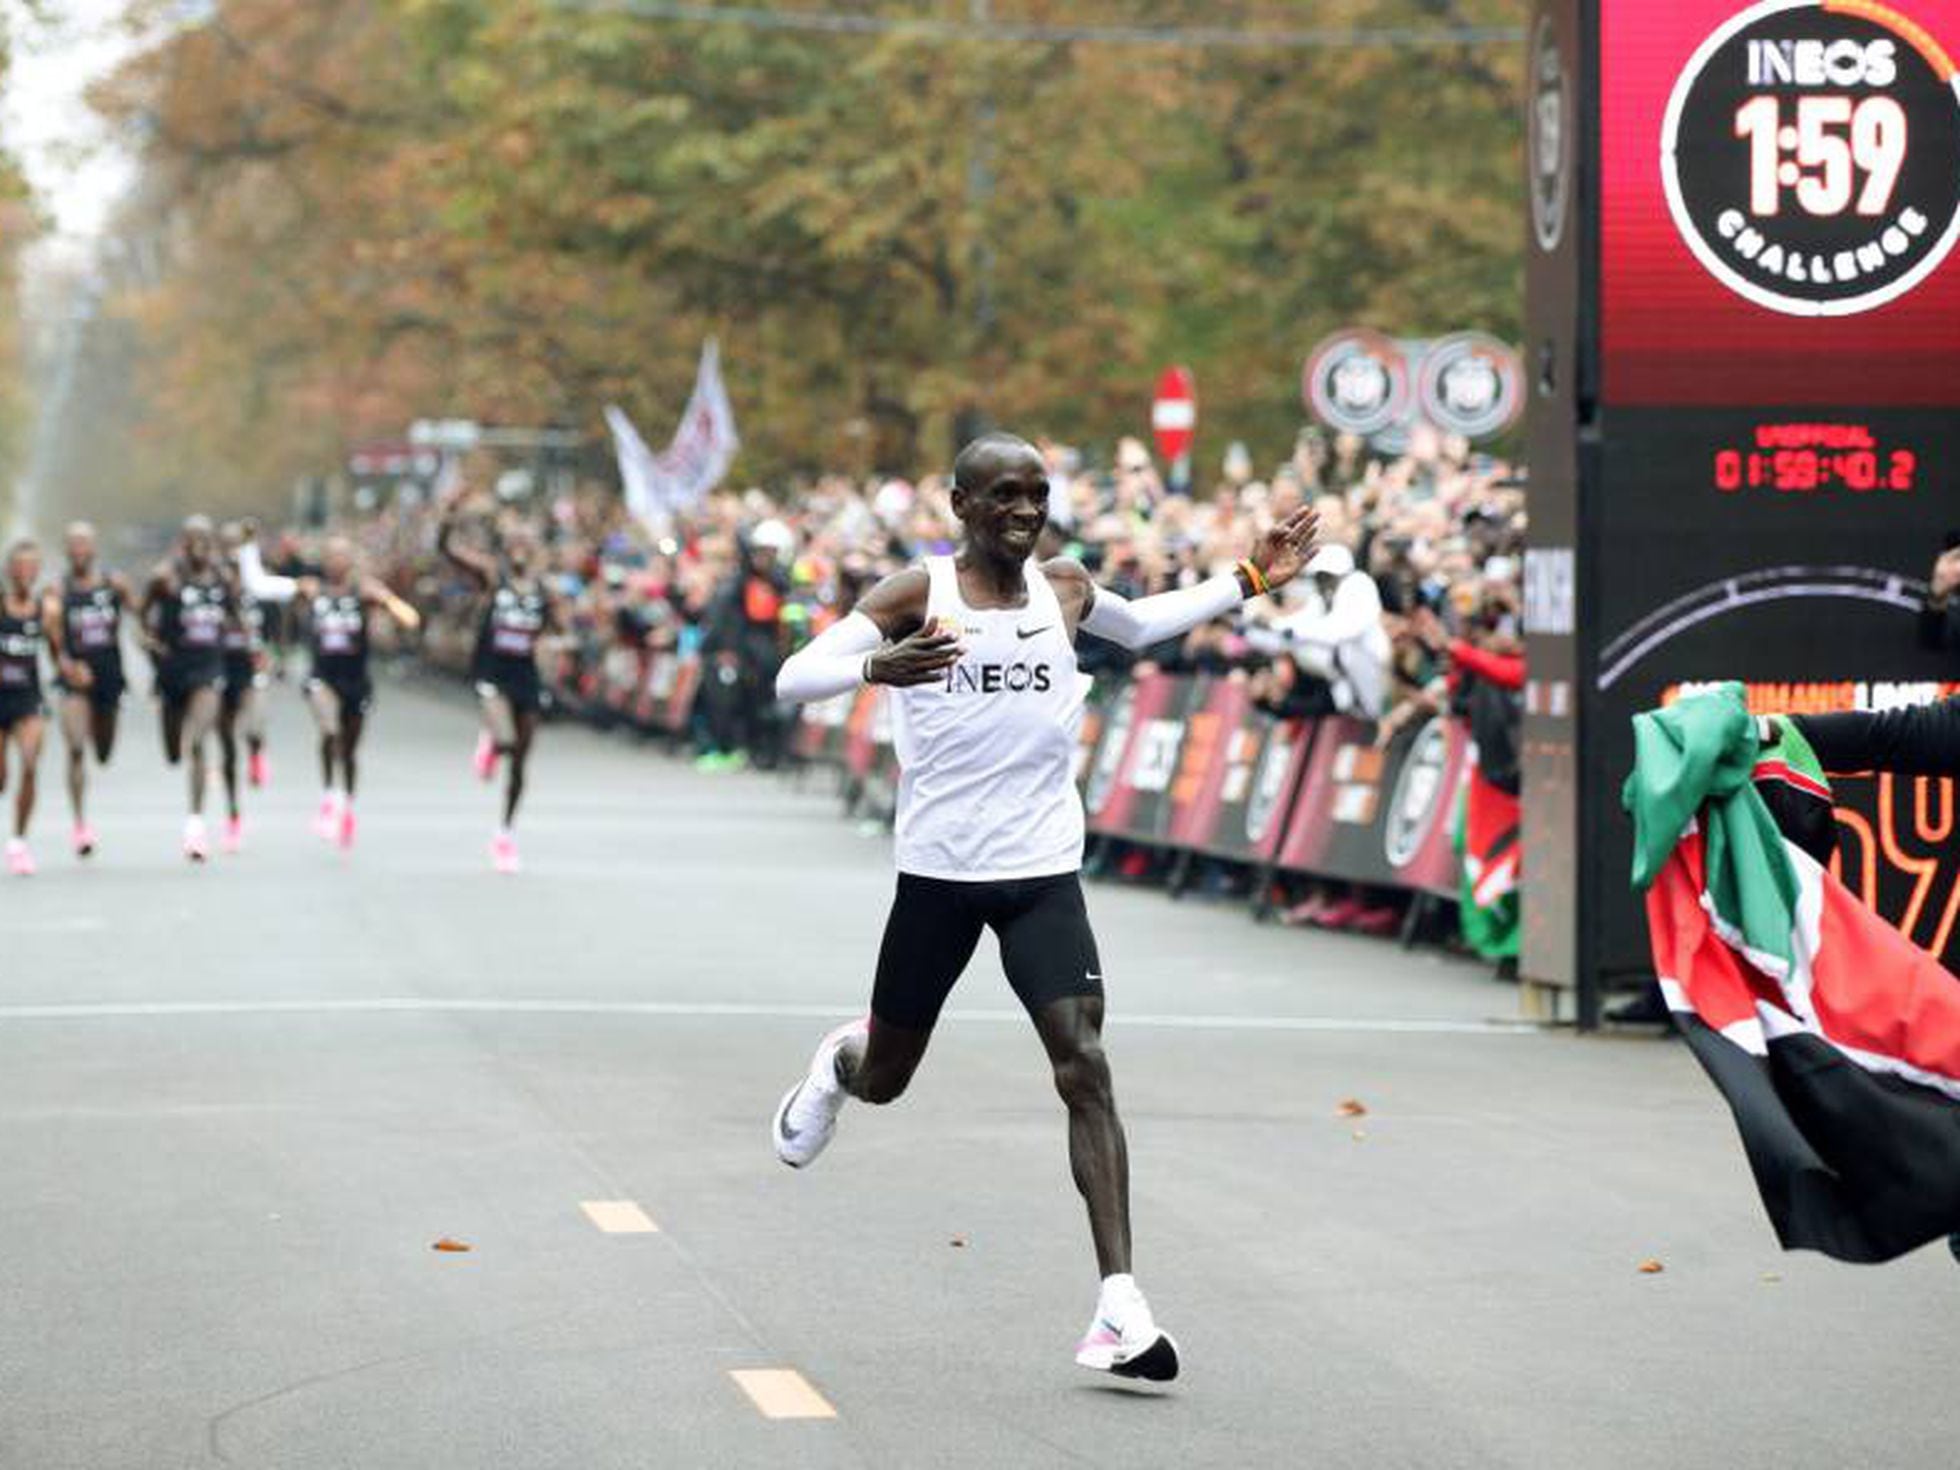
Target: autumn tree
<point>366,212</point>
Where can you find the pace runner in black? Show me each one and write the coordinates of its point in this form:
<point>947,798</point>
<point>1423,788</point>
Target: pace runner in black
<point>339,690</point>
<point>190,603</point>
<point>977,653</point>
<point>241,709</point>
<point>30,621</point>
<point>519,610</point>
<point>93,602</point>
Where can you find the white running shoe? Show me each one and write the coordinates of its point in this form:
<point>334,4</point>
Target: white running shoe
<point>808,1114</point>
<point>1123,1337</point>
<point>197,846</point>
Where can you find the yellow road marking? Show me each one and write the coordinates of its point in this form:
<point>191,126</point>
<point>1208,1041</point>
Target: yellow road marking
<point>782,1393</point>
<point>618,1217</point>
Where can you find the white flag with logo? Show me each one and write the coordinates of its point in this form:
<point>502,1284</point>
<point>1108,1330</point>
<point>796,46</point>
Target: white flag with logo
<point>639,471</point>
<point>705,443</point>
<point>703,447</point>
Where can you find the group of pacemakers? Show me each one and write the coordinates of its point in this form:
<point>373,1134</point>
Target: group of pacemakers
<point>201,618</point>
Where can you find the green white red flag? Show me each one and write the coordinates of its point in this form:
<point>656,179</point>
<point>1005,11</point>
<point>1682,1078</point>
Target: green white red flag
<point>1834,1039</point>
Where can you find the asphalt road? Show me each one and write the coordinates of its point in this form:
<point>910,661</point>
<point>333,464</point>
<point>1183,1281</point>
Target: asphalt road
<point>238,1106</point>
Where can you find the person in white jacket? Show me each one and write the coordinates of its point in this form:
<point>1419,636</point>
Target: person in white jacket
<point>1337,634</point>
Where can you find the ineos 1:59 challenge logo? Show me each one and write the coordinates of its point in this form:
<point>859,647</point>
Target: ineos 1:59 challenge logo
<point>1811,155</point>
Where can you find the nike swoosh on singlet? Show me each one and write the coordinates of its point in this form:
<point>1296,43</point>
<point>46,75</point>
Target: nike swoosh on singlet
<point>1031,632</point>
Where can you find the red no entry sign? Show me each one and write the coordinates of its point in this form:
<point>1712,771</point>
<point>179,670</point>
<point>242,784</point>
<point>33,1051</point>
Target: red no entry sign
<point>1174,413</point>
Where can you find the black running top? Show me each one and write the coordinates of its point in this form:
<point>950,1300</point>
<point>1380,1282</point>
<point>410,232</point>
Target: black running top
<point>91,618</point>
<point>21,640</point>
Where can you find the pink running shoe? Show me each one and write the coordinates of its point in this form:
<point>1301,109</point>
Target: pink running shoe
<point>503,853</point>
<point>346,833</point>
<point>20,862</point>
<point>234,834</point>
<point>327,820</point>
<point>196,846</point>
<point>258,770</point>
<point>84,840</point>
<point>485,759</point>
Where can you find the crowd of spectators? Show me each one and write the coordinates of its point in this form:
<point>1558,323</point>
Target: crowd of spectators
<point>1414,587</point>
<point>1419,548</point>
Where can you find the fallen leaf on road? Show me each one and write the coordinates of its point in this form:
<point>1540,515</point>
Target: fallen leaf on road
<point>1651,1267</point>
<point>446,1244</point>
<point>958,1242</point>
<point>1350,1107</point>
<point>1359,1135</point>
<point>1772,1277</point>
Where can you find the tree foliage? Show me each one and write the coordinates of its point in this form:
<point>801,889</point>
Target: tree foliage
<point>358,213</point>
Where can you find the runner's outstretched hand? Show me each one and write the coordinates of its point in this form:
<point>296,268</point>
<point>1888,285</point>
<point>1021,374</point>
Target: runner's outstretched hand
<point>919,659</point>
<point>1286,548</point>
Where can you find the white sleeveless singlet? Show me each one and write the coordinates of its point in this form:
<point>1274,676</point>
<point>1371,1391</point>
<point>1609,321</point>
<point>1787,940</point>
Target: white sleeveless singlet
<point>987,752</point>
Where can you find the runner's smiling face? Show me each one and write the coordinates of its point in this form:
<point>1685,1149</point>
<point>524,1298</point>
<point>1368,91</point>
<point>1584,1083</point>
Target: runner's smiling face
<point>1006,512</point>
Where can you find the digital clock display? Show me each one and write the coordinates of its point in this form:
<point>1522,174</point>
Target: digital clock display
<point>1803,458</point>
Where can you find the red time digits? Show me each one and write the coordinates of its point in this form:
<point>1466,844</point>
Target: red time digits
<point>1801,471</point>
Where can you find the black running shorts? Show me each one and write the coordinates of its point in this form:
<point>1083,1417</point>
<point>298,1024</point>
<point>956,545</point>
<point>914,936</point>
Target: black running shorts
<point>17,705</point>
<point>1042,924</point>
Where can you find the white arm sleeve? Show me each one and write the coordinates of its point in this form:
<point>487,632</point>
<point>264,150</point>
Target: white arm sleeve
<point>1137,625</point>
<point>830,663</point>
<point>259,582</point>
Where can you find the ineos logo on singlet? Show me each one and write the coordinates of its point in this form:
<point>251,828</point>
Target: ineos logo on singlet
<point>338,623</point>
<point>1015,678</point>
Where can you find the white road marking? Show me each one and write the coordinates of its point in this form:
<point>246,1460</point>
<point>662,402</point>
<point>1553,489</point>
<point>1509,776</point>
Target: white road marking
<point>619,1217</point>
<point>782,1393</point>
<point>689,1010</point>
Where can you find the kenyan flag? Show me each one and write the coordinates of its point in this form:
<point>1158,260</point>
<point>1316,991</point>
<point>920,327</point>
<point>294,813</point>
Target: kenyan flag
<point>1834,1039</point>
<point>1487,841</point>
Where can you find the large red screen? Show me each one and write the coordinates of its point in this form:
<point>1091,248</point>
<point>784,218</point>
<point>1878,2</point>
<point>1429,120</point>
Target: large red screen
<point>1671,331</point>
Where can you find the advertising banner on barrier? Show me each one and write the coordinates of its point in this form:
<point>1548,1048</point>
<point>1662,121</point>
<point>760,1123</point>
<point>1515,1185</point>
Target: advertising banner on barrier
<point>667,700</point>
<point>1258,771</point>
<point>1130,778</point>
<point>1189,763</point>
<point>1379,814</point>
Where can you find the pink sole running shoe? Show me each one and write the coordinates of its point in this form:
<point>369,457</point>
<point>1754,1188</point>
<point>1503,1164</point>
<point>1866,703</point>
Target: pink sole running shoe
<point>326,822</point>
<point>84,840</point>
<point>258,770</point>
<point>196,847</point>
<point>234,835</point>
<point>503,853</point>
<point>485,759</point>
<point>20,862</point>
<point>346,828</point>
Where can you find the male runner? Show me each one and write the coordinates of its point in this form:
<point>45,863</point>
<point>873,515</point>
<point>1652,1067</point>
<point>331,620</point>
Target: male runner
<point>92,606</point>
<point>188,605</point>
<point>517,614</point>
<point>29,621</point>
<point>339,690</point>
<point>979,651</point>
<point>242,707</point>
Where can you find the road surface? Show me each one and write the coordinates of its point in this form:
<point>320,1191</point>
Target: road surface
<point>239,1105</point>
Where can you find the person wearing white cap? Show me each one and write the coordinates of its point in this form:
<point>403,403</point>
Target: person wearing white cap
<point>1337,633</point>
